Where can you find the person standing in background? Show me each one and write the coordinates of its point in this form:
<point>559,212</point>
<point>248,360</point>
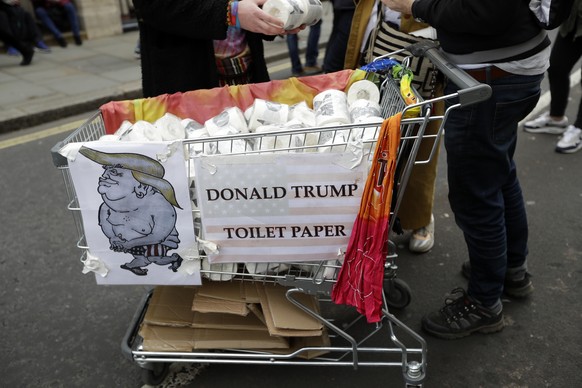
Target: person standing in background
<point>374,31</point>
<point>480,140</point>
<point>23,26</point>
<point>10,40</point>
<point>188,44</point>
<point>566,51</point>
<point>335,51</point>
<point>312,52</point>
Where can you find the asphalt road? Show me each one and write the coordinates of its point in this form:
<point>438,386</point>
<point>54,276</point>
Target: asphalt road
<point>59,329</point>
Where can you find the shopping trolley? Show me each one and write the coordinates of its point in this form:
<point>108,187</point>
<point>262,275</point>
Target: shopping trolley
<point>347,346</point>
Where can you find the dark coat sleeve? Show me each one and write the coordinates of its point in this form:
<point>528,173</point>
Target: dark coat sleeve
<point>195,19</point>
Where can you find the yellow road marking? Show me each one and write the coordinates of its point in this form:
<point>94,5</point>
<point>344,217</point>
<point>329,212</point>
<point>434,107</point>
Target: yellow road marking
<point>40,134</point>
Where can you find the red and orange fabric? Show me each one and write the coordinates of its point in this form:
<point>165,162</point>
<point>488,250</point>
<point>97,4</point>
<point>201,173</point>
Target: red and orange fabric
<point>361,276</point>
<point>201,105</point>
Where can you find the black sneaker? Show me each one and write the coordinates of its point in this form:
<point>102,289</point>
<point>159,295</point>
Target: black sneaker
<point>462,316</point>
<point>515,288</point>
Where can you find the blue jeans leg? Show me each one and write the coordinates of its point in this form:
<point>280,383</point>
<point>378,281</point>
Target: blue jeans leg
<point>73,19</point>
<point>312,44</point>
<point>484,191</point>
<point>293,47</point>
<point>44,17</point>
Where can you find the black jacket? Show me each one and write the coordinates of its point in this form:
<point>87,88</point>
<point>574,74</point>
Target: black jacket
<point>177,52</point>
<point>500,30</point>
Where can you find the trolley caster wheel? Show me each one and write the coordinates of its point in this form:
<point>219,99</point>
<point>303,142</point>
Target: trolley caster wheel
<point>398,294</point>
<point>156,375</point>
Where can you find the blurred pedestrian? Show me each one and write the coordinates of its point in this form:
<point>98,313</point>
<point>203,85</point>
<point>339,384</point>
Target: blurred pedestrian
<point>55,14</point>
<point>311,54</point>
<point>23,26</point>
<point>10,40</point>
<point>566,52</point>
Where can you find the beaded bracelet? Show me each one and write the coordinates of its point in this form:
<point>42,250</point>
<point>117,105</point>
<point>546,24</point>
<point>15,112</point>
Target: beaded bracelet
<point>234,13</point>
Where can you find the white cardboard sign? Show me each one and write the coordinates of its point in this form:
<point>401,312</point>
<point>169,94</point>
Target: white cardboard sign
<point>281,207</point>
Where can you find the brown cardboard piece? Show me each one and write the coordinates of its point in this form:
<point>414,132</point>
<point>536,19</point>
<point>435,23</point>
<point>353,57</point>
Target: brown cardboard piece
<point>227,321</point>
<point>185,339</point>
<point>204,304</point>
<point>293,321</point>
<point>170,306</point>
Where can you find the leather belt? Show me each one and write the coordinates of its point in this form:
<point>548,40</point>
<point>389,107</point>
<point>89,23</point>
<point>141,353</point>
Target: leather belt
<point>487,74</point>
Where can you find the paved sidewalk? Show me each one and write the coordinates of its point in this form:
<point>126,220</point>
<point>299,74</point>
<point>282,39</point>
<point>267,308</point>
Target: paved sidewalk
<point>78,79</point>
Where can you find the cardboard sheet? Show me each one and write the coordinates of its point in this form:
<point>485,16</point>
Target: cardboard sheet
<point>185,339</point>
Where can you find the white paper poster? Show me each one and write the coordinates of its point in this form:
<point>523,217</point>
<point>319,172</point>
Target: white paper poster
<point>278,207</point>
<point>137,214</point>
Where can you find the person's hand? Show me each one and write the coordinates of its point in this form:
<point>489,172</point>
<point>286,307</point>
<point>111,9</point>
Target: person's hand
<point>403,6</point>
<point>253,18</point>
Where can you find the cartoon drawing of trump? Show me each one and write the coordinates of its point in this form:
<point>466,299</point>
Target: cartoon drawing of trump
<point>138,213</point>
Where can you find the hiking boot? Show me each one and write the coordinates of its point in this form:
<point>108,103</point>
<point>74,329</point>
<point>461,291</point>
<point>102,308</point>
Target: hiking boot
<point>462,316</point>
<point>422,240</point>
<point>571,141</point>
<point>514,288</point>
<point>546,124</point>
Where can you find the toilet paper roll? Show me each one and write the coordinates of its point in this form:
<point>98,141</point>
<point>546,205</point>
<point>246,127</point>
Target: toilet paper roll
<point>218,271</point>
<point>290,12</point>
<point>363,89</point>
<point>170,127</point>
<point>230,117</point>
<point>362,108</point>
<point>271,142</point>
<point>141,131</point>
<point>268,113</point>
<point>331,106</point>
<point>230,146</point>
<point>314,12</point>
<point>302,112</point>
<point>124,127</point>
<point>109,138</point>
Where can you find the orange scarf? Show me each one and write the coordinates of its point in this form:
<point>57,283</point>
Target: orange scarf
<point>361,276</point>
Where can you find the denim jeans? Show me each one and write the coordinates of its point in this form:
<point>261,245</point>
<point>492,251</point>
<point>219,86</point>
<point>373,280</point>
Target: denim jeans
<point>312,51</point>
<point>484,190</point>
<point>71,13</point>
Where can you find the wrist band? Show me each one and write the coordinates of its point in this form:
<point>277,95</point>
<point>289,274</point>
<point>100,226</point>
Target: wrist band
<point>234,13</point>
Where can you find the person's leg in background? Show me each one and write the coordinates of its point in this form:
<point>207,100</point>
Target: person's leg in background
<point>71,12</point>
<point>43,16</point>
<point>565,54</point>
<point>416,209</point>
<point>293,47</point>
<point>10,40</point>
<point>335,50</point>
<point>312,52</point>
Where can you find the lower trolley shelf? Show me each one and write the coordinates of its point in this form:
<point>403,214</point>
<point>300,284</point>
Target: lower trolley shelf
<point>347,340</point>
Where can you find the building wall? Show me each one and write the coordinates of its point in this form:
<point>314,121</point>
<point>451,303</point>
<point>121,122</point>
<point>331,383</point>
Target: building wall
<point>100,18</point>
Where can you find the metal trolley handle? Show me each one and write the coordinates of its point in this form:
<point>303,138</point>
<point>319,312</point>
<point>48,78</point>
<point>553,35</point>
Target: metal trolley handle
<point>471,91</point>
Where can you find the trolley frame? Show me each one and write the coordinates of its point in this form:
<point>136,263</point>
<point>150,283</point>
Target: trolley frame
<point>317,277</point>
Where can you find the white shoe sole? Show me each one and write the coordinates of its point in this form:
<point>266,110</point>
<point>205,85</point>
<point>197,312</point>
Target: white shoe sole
<point>546,129</point>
